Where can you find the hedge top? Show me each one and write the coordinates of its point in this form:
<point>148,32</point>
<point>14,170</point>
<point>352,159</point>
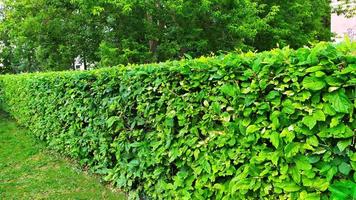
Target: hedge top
<point>305,56</point>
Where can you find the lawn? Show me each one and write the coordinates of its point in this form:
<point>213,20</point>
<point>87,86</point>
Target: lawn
<point>29,171</point>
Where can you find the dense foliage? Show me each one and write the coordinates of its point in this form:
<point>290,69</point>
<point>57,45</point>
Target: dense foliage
<point>45,35</point>
<point>296,23</point>
<point>273,125</point>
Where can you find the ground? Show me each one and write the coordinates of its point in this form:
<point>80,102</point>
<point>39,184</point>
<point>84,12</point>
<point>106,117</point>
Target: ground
<point>30,171</point>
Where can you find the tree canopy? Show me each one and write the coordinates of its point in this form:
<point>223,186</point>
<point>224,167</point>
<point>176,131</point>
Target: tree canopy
<point>47,35</point>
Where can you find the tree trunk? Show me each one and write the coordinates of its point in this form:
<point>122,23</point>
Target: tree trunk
<point>85,62</point>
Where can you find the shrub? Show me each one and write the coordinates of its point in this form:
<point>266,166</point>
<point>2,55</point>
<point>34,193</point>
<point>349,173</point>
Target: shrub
<point>271,125</point>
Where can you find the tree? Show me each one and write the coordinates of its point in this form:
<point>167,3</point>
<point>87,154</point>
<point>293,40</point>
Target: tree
<point>149,31</point>
<point>47,35</point>
<point>295,23</point>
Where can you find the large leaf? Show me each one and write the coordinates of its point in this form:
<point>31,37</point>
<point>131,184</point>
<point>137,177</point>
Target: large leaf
<point>275,139</point>
<point>314,83</point>
<point>344,168</point>
<point>252,129</point>
<point>342,145</point>
<point>319,115</point>
<point>291,149</point>
<point>343,190</point>
<point>309,121</point>
<point>339,101</point>
<point>288,186</point>
<point>302,163</point>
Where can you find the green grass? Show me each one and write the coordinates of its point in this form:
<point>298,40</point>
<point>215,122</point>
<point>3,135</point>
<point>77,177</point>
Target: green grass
<point>29,171</point>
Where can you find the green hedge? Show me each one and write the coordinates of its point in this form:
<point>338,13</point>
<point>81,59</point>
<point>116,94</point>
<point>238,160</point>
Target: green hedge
<point>278,124</point>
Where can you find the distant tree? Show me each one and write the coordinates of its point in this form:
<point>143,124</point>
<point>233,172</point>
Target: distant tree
<point>47,35</point>
<point>157,30</point>
<point>295,23</point>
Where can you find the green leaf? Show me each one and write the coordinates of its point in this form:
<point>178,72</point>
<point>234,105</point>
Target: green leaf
<point>321,184</point>
<point>229,90</point>
<point>288,187</point>
<point>302,163</point>
<point>313,159</point>
<point>206,103</point>
<point>216,107</point>
<point>315,98</point>
<point>313,141</point>
<point>291,149</point>
<point>339,101</point>
<point>348,69</point>
<point>274,157</point>
<point>342,145</point>
<point>205,165</point>
<point>252,129</point>
<point>344,168</point>
<point>133,163</point>
<point>334,122</point>
<point>295,174</point>
<point>313,83</point>
<point>353,157</point>
<point>331,173</point>
<point>275,119</point>
<point>288,107</point>
<point>309,121</point>
<point>319,115</point>
<point>315,69</point>
<point>256,66</point>
<point>274,137</point>
<point>225,117</point>
<point>309,196</point>
<point>329,110</point>
<point>288,135</point>
<point>302,55</point>
<point>340,131</point>
<point>343,190</point>
<point>332,81</point>
<point>272,95</point>
<point>110,122</point>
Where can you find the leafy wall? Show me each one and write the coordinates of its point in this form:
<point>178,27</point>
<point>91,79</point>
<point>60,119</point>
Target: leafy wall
<point>278,124</point>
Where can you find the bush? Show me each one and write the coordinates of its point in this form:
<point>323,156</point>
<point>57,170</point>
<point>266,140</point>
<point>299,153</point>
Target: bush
<point>272,125</point>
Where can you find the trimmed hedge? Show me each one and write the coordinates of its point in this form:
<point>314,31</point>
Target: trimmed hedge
<point>273,125</point>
